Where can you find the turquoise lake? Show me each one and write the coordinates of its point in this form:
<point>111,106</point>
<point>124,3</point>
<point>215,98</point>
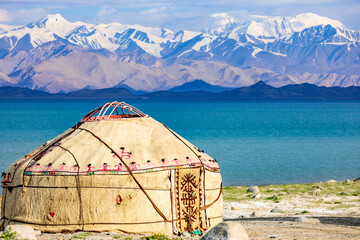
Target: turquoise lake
<point>255,143</point>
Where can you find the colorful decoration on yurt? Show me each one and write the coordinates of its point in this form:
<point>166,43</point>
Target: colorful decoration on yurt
<point>116,170</point>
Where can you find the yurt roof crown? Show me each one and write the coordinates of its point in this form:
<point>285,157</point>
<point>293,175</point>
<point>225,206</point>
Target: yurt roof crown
<point>113,110</point>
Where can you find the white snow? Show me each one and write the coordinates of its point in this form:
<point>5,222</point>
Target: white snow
<point>152,49</point>
<point>235,23</point>
<point>152,39</point>
<point>184,36</point>
<point>185,52</point>
<point>256,51</point>
<point>204,42</point>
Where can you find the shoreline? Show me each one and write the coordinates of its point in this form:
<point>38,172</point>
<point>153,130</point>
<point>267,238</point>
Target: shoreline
<point>329,210</point>
<point>323,210</point>
<point>322,198</point>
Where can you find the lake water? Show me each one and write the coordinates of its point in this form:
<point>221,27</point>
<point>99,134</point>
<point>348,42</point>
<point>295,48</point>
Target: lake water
<point>255,143</point>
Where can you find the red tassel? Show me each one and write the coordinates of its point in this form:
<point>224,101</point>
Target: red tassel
<point>118,200</point>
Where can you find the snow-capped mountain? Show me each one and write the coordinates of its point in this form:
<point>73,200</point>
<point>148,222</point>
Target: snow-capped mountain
<point>227,49</point>
<point>265,27</point>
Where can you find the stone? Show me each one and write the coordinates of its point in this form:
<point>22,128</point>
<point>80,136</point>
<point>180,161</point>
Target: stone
<point>275,197</point>
<point>317,192</point>
<point>22,231</point>
<point>235,209</point>
<point>276,210</point>
<point>227,231</point>
<point>253,189</point>
<point>318,186</point>
<point>257,195</point>
<point>98,237</point>
<point>254,214</point>
<point>331,181</point>
<point>303,219</point>
<point>37,232</point>
<point>186,234</point>
<point>349,181</point>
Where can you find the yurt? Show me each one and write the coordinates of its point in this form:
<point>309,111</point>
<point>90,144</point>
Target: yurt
<point>116,170</point>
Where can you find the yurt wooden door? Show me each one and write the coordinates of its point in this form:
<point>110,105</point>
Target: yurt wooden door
<point>189,195</point>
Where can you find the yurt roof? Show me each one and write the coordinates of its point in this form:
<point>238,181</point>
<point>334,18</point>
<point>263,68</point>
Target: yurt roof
<point>113,139</point>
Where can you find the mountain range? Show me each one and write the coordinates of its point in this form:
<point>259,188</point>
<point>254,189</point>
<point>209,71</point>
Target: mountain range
<point>194,91</point>
<point>224,50</point>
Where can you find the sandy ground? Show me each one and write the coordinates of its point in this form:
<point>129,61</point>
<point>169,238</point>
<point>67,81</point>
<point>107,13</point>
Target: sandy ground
<point>280,227</point>
<point>317,224</point>
<point>297,211</point>
<point>286,212</point>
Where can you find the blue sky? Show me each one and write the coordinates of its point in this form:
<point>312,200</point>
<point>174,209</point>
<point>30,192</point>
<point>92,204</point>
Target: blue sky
<point>156,12</point>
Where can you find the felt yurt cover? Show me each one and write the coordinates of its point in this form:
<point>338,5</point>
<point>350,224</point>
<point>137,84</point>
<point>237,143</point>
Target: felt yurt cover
<point>116,170</point>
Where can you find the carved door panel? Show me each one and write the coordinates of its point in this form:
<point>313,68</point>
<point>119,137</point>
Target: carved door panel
<point>189,199</point>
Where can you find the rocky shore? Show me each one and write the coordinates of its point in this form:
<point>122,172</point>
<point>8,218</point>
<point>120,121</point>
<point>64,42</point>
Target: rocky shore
<point>323,210</point>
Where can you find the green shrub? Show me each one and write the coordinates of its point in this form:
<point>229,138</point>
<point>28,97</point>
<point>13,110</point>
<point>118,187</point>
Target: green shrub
<point>8,235</point>
<point>156,237</point>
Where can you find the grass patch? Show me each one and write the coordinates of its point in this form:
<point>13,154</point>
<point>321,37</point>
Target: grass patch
<point>273,198</point>
<point>82,235</point>
<point>305,211</point>
<point>157,237</point>
<point>235,194</point>
<point>344,206</point>
<point>127,238</point>
<point>9,235</point>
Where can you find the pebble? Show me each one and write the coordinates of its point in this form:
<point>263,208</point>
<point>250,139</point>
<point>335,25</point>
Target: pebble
<point>98,237</point>
<point>331,181</point>
<point>274,197</point>
<point>303,219</point>
<point>276,210</point>
<point>317,192</point>
<point>110,233</point>
<point>257,195</point>
<point>349,181</point>
<point>253,189</point>
<point>186,234</point>
<point>235,209</point>
<point>255,214</point>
